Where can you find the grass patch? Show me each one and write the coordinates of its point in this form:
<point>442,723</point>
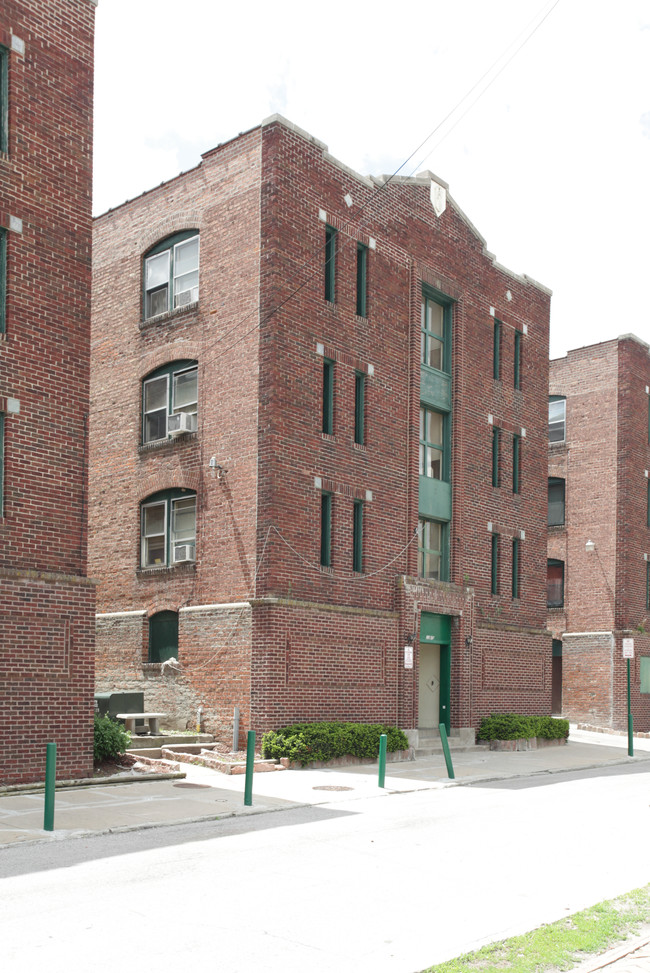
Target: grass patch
<point>560,945</point>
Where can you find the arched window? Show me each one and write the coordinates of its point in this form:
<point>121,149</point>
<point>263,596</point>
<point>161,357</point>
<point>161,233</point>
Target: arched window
<point>171,274</point>
<point>170,401</point>
<point>163,636</point>
<point>168,528</point>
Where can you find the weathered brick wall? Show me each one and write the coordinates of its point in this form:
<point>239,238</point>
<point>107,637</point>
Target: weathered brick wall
<point>212,670</point>
<point>587,677</point>
<point>45,193</point>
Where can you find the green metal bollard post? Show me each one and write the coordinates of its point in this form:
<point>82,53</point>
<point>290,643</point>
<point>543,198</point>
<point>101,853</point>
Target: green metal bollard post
<point>383,742</point>
<point>630,735</point>
<point>250,761</point>
<point>446,751</point>
<point>50,781</point>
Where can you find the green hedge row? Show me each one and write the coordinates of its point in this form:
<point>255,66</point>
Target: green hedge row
<point>306,742</point>
<point>511,726</point>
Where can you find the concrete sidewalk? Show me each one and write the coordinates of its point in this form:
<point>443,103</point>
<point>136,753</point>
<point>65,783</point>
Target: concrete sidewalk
<point>208,795</point>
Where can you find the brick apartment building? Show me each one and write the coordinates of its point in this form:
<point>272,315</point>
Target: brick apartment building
<point>599,531</point>
<point>317,449</point>
<point>47,604</point>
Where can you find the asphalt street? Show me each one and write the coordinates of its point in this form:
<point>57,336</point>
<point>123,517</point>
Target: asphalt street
<point>393,882</point>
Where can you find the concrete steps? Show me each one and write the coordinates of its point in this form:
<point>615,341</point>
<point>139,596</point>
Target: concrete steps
<point>427,743</point>
<point>150,746</point>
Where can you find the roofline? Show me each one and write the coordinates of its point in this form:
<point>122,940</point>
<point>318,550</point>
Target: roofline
<point>608,341</point>
<point>422,179</point>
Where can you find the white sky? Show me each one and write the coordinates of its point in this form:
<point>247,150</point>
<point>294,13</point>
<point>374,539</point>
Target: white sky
<point>551,164</point>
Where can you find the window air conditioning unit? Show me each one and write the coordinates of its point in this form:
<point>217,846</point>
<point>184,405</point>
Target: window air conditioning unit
<point>184,552</point>
<point>186,297</point>
<point>180,423</point>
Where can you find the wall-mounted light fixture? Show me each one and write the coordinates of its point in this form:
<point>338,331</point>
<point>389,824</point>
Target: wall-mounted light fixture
<point>590,547</point>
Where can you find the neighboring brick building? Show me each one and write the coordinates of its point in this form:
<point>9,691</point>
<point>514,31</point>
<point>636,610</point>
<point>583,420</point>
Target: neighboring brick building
<point>47,604</point>
<point>268,539</point>
<point>599,530</point>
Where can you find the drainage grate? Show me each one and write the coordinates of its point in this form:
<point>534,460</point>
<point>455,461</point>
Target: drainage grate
<point>187,783</point>
<point>331,787</point>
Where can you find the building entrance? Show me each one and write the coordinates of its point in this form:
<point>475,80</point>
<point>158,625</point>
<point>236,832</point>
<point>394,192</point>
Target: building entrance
<point>434,686</point>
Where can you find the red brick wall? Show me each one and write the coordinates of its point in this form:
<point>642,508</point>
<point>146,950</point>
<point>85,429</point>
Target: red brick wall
<point>45,193</point>
<point>256,203</point>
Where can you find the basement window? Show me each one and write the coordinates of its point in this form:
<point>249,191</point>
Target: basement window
<point>163,636</point>
<point>171,274</point>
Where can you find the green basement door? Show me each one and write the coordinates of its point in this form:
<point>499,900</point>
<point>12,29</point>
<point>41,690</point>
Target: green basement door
<point>435,671</point>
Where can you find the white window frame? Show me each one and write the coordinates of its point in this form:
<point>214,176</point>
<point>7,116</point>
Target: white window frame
<point>169,537</point>
<point>171,252</point>
<point>554,422</point>
<point>170,394</point>
<point>144,536</point>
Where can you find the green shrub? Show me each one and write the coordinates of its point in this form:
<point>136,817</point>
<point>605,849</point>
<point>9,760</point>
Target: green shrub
<point>511,726</point>
<point>307,742</point>
<point>111,738</point>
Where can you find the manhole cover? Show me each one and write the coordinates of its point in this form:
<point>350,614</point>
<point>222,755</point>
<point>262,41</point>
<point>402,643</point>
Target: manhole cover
<point>331,787</point>
<point>187,783</point>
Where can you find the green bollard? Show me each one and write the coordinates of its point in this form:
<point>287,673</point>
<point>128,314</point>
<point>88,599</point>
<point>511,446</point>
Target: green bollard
<point>630,731</point>
<point>250,762</point>
<point>446,751</point>
<point>50,781</point>
<point>383,741</point>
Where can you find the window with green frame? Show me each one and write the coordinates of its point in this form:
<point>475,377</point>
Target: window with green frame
<point>556,501</point>
<point>168,528</point>
<point>432,437</point>
<point>3,280</point>
<point>359,408</point>
<point>496,459</point>
<point>171,274</point>
<point>328,397</point>
<point>494,564</point>
<point>516,567</point>
<point>435,338</point>
<point>170,391</point>
<point>517,361</point>
<point>516,462</point>
<point>4,100</point>
<point>554,583</point>
<point>432,550</point>
<point>326,530</point>
<point>496,351</point>
<point>357,536</point>
<point>163,636</point>
<point>330,264</point>
<point>362,280</point>
<point>644,673</point>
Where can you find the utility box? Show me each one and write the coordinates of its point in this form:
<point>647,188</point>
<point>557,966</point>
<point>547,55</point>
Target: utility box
<point>110,704</point>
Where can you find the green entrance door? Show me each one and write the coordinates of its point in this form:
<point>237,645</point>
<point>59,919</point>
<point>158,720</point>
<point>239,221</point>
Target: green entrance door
<point>434,687</point>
